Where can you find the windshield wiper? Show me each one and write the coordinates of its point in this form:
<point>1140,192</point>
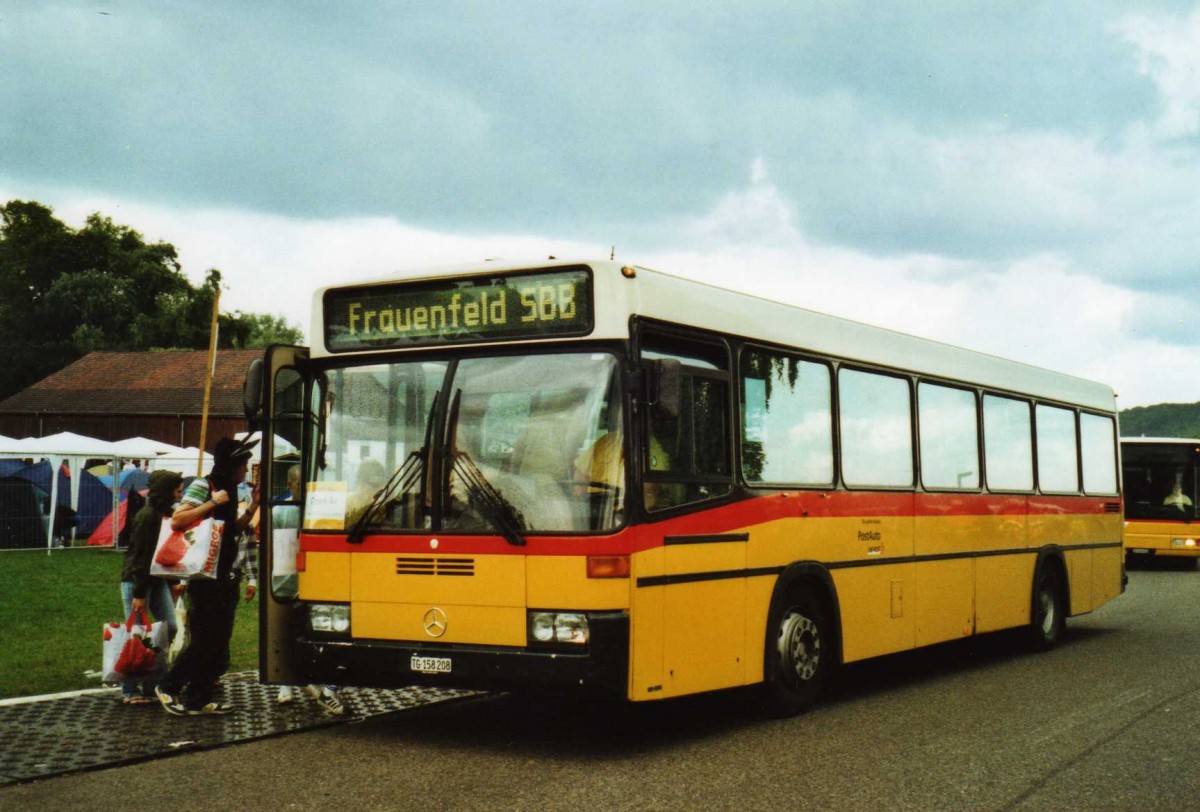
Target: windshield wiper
<point>482,495</point>
<point>399,483</point>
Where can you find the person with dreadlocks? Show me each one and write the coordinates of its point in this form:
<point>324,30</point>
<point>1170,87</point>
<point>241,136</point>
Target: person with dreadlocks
<point>188,688</point>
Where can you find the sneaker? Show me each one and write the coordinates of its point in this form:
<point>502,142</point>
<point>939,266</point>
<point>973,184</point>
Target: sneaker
<point>287,694</point>
<point>211,709</point>
<point>170,704</point>
<point>327,699</point>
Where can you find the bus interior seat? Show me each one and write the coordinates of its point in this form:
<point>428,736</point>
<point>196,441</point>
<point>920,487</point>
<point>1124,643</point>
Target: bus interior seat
<point>541,459</point>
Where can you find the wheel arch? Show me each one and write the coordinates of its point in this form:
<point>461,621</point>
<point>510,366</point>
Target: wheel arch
<point>816,577</point>
<point>1052,556</point>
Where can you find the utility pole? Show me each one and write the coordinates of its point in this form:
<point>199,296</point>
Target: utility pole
<point>212,364</point>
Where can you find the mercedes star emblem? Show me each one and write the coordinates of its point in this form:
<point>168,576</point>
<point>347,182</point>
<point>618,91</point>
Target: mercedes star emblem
<point>435,622</point>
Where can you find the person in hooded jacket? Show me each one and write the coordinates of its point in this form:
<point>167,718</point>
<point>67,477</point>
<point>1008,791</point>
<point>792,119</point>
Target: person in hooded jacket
<point>141,591</point>
<point>188,688</point>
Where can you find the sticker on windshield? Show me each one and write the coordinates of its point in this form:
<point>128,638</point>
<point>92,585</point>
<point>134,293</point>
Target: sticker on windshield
<point>325,506</point>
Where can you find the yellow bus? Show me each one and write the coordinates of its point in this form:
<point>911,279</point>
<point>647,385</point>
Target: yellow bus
<point>802,491</point>
<point>1160,493</point>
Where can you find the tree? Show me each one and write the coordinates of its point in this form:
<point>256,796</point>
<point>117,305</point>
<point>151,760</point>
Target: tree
<point>257,330</point>
<point>1161,420</point>
<point>65,292</point>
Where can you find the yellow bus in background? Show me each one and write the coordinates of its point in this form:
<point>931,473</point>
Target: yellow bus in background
<point>1160,497</point>
<point>597,477</point>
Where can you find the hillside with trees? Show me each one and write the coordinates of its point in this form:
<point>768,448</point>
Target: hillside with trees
<point>1162,420</point>
<point>65,292</point>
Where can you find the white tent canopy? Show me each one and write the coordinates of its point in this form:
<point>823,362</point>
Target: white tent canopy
<point>69,444</point>
<point>63,444</point>
<point>64,447</point>
<point>183,460</point>
<point>142,448</point>
<point>75,450</point>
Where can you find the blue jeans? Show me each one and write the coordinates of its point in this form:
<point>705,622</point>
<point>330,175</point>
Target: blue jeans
<point>161,608</point>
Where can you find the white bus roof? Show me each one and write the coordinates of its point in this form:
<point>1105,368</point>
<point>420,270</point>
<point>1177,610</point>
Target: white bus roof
<point>657,295</point>
<point>1162,440</point>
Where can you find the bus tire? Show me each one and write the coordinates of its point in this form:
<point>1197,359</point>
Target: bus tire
<point>1048,615</point>
<point>798,651</point>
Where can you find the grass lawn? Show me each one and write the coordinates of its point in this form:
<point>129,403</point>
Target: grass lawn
<point>52,612</point>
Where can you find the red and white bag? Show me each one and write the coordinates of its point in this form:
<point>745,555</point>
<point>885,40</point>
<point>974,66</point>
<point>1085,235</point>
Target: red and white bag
<point>135,649</point>
<point>188,553</point>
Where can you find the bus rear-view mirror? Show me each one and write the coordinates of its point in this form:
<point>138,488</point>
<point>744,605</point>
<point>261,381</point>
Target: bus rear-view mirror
<point>665,387</point>
<point>252,390</point>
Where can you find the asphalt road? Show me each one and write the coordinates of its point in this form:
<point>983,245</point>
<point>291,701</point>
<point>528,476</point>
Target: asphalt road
<point>1108,720</point>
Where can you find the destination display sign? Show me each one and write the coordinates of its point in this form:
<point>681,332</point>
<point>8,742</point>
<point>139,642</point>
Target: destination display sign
<point>537,304</point>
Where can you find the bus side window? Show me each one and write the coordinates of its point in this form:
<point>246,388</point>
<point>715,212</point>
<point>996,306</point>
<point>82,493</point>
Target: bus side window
<point>949,429</point>
<point>1007,444</point>
<point>875,411</point>
<point>787,420</point>
<point>1057,449</point>
<point>1098,454</point>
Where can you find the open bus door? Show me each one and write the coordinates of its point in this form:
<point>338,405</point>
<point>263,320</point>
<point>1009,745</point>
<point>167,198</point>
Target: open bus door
<point>275,396</point>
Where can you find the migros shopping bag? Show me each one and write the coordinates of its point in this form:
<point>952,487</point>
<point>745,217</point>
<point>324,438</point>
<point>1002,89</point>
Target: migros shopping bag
<point>188,553</point>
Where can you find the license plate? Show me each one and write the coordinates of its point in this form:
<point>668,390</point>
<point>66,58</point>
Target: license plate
<point>430,665</point>
<point>1140,551</point>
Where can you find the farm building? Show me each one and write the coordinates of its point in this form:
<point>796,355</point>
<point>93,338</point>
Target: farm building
<point>115,395</point>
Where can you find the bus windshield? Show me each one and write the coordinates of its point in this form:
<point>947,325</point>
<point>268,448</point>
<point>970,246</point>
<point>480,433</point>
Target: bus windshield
<point>1160,482</point>
<point>521,444</point>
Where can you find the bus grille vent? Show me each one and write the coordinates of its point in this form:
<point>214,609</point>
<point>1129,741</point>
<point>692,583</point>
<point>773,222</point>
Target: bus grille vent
<point>435,566</point>
<point>1112,507</point>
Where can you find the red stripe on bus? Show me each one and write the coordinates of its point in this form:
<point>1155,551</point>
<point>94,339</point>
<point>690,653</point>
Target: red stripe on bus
<point>737,516</point>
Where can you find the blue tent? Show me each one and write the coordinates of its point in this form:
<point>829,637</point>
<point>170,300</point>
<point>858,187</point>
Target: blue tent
<point>22,513</point>
<point>135,479</point>
<point>10,467</point>
<point>95,498</point>
<point>131,479</point>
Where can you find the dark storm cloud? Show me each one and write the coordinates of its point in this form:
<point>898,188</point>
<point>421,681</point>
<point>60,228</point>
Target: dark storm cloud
<point>982,132</point>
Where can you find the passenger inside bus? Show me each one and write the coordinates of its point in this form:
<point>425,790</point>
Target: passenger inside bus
<point>600,470</point>
<point>371,477</point>
<point>1177,498</point>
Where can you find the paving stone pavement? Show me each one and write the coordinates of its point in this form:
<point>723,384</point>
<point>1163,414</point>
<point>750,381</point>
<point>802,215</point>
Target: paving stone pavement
<point>56,735</point>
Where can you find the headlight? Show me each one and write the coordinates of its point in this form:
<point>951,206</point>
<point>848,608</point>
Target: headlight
<point>541,627</point>
<point>329,617</point>
<point>558,627</point>
<point>571,628</point>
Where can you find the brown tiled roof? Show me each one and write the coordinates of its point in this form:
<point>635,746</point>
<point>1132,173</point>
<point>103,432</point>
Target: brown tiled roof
<point>166,382</point>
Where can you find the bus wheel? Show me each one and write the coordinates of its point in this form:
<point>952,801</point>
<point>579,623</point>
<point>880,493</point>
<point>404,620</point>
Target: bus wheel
<point>1049,614</point>
<point>798,655</point>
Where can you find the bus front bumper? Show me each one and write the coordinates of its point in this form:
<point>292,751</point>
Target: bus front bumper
<point>601,668</point>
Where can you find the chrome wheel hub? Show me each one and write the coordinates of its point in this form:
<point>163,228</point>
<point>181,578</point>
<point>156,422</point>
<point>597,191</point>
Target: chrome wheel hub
<point>799,646</point>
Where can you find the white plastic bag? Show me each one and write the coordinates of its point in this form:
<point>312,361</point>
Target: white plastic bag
<point>189,553</point>
<point>135,649</point>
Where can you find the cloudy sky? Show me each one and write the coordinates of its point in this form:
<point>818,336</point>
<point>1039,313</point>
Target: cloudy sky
<point>1021,178</point>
